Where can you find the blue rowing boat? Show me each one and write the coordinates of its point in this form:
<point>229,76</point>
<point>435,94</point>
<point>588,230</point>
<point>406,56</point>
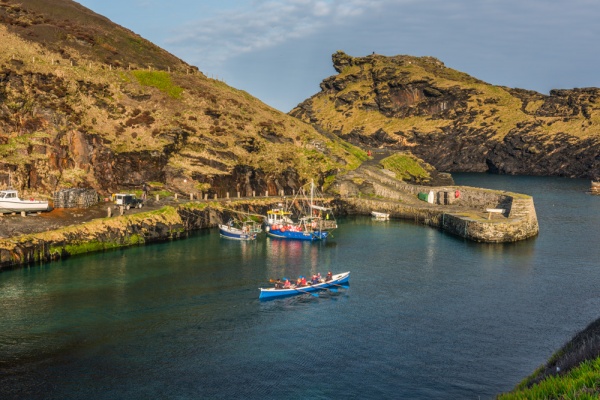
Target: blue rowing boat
<point>336,281</point>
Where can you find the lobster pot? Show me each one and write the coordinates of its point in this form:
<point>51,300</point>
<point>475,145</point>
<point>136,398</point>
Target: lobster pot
<point>75,198</point>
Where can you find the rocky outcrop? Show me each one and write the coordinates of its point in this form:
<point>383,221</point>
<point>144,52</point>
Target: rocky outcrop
<point>456,122</point>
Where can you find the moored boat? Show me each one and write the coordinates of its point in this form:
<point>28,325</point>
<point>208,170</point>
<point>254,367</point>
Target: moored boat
<point>335,281</point>
<point>11,202</point>
<point>380,215</point>
<point>237,230</point>
<point>314,223</point>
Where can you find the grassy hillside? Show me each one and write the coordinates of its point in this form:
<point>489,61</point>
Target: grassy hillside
<point>86,102</point>
<point>454,121</point>
<point>573,372</point>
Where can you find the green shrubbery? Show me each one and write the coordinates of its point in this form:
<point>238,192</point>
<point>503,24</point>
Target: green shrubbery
<point>406,167</point>
<point>582,382</point>
<point>160,80</point>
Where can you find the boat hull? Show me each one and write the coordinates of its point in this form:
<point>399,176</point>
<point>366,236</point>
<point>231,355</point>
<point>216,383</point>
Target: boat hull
<point>235,234</point>
<point>337,280</point>
<point>303,235</point>
<point>23,205</point>
<point>380,215</point>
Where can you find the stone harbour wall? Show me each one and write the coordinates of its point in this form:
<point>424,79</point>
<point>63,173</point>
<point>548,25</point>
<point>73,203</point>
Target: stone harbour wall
<point>165,224</point>
<point>518,223</point>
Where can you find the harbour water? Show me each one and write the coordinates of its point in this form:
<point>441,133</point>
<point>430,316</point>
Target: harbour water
<point>426,316</point>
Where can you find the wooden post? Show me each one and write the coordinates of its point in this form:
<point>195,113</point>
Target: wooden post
<point>253,193</point>
<point>266,193</point>
<point>206,196</point>
<point>227,195</point>
<point>120,210</point>
<point>157,197</point>
<point>215,196</point>
<point>175,196</point>
<point>238,193</point>
<point>191,196</point>
<point>23,214</point>
<point>109,212</point>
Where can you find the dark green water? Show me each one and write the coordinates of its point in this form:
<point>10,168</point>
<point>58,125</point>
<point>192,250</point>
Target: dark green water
<point>426,316</point>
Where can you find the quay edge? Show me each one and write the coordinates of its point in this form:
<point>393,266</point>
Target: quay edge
<point>465,218</point>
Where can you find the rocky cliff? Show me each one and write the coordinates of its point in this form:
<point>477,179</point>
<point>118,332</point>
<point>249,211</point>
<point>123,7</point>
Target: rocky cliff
<point>454,121</point>
<point>85,102</point>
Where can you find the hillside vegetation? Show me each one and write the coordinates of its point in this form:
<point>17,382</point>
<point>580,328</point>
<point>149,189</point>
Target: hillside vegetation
<point>84,102</point>
<point>573,372</point>
<point>457,122</point>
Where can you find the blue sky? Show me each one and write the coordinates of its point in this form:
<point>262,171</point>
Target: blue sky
<point>280,50</point>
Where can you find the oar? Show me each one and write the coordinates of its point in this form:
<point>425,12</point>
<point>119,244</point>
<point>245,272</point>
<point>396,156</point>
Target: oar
<point>304,291</point>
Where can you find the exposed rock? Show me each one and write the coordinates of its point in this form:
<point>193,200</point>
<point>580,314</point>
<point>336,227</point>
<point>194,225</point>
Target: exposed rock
<point>456,122</point>
<point>87,103</point>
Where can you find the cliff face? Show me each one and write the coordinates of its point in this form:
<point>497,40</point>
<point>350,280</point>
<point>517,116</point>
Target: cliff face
<point>85,102</point>
<point>456,122</point>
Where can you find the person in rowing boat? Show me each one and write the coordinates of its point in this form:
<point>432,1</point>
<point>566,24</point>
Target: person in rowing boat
<point>287,284</point>
<point>278,284</point>
<point>314,280</point>
<point>328,277</point>
<point>303,281</point>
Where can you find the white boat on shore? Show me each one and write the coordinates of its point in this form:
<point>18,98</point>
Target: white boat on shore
<point>10,202</point>
<point>380,215</point>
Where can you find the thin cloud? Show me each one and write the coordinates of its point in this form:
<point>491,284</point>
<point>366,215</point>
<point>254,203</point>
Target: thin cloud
<point>265,24</point>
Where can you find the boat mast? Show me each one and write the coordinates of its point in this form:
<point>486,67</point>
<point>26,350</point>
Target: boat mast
<point>312,189</point>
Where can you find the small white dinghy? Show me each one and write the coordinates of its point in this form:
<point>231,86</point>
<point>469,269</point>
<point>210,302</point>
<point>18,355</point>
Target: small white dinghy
<point>380,216</point>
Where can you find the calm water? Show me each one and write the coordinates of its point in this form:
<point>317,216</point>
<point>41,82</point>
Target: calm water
<point>426,316</point>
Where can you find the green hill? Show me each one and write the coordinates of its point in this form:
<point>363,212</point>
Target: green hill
<point>454,121</point>
<point>85,102</point>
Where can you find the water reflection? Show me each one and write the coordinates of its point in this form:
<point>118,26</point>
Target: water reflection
<point>292,258</point>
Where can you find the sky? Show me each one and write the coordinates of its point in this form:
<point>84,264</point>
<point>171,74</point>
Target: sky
<point>280,50</point>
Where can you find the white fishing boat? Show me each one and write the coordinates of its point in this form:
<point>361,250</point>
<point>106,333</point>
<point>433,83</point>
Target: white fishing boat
<point>240,230</point>
<point>10,202</point>
<point>380,215</point>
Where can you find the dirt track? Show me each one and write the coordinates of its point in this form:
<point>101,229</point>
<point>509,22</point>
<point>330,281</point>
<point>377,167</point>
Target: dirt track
<point>16,225</point>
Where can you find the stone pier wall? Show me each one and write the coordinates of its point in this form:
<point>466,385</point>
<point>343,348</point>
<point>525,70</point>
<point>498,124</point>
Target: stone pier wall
<point>519,223</point>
